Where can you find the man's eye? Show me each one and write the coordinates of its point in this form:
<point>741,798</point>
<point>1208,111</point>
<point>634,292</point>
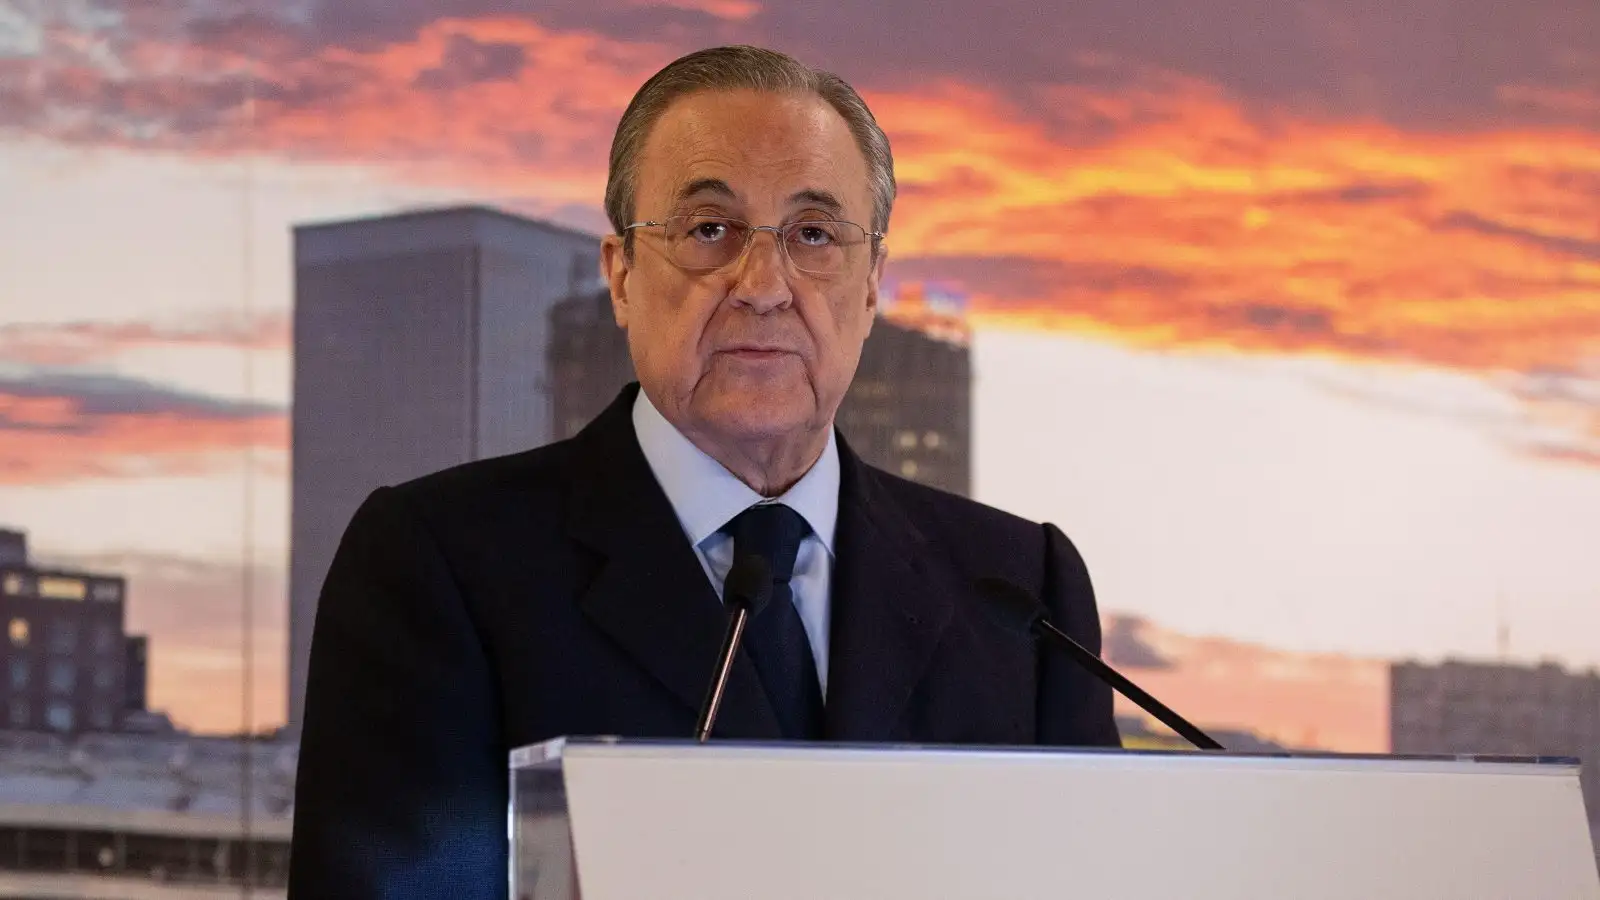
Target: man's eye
<point>814,235</point>
<point>709,231</point>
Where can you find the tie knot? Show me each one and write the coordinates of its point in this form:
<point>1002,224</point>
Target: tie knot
<point>772,530</point>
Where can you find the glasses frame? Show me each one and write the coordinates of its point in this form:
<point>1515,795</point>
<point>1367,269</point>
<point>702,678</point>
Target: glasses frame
<point>874,237</point>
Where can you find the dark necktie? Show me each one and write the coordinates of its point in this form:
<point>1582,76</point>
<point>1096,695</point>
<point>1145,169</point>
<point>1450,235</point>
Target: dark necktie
<point>776,639</point>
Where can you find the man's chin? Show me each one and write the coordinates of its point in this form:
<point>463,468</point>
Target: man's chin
<point>740,415</point>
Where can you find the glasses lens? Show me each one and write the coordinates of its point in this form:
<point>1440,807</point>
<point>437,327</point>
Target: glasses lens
<point>705,242</point>
<point>823,247</point>
<point>816,247</point>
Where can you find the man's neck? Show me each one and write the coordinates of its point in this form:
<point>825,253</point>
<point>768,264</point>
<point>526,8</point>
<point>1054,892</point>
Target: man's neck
<point>769,467</point>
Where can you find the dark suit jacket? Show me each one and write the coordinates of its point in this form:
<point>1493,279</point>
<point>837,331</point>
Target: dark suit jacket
<point>553,592</point>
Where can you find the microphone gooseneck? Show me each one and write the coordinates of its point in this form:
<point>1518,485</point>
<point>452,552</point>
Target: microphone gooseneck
<point>1018,610</point>
<point>745,592</point>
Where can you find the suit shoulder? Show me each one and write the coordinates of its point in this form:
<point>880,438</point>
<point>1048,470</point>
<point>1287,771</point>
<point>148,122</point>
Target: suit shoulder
<point>944,517</point>
<point>978,540</point>
<point>540,472</point>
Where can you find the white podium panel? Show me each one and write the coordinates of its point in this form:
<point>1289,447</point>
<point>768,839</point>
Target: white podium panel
<point>669,821</point>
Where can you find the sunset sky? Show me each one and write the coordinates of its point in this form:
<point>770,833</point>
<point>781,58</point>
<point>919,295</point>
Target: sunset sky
<point>1288,313</point>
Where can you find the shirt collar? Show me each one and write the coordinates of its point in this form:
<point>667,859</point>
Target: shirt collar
<point>706,496</point>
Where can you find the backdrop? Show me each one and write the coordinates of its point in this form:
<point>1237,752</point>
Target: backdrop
<point>1289,314</point>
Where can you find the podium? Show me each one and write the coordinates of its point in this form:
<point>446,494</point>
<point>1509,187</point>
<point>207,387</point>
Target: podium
<point>611,819</point>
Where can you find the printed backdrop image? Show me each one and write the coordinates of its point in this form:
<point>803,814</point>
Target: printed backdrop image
<point>1288,314</point>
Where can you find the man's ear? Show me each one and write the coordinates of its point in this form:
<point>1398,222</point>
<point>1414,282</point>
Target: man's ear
<point>875,279</point>
<point>614,265</point>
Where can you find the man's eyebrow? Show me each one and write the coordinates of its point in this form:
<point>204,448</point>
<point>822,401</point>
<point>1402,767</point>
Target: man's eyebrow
<point>707,186</point>
<point>814,197</point>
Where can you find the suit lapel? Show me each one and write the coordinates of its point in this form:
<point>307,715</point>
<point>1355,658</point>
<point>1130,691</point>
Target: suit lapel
<point>651,595</point>
<point>888,613</point>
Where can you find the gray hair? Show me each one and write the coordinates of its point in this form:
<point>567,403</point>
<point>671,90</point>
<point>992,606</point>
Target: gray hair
<point>742,67</point>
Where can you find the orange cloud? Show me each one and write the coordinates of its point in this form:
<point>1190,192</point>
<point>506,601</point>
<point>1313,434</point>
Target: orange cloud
<point>76,343</point>
<point>1142,206</point>
<point>1346,238</point>
<point>727,10</point>
<point>1479,251</point>
<point>55,429</point>
<point>500,103</point>
<point>1183,223</point>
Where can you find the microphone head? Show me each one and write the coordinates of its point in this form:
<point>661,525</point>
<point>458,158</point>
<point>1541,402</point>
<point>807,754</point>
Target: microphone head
<point>1010,605</point>
<point>749,582</point>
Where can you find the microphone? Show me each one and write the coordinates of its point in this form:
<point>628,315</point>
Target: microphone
<point>745,593</point>
<point>1018,610</point>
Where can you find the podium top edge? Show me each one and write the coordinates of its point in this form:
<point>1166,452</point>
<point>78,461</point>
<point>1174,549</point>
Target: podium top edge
<point>551,752</point>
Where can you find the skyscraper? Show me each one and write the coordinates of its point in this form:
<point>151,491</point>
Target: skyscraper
<point>419,343</point>
<point>428,339</point>
<point>1460,707</point>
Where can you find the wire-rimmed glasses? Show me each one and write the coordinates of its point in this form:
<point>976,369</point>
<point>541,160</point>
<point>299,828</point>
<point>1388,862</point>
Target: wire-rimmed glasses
<point>822,247</point>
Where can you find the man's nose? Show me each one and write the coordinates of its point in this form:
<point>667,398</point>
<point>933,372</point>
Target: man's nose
<point>761,279</point>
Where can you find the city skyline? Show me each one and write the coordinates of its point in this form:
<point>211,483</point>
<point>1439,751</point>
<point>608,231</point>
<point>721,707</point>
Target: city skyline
<point>211,655</point>
<point>1302,356</point>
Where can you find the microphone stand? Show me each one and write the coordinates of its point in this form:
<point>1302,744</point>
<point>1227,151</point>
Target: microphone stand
<point>738,615</point>
<point>1014,607</point>
<point>745,592</point>
<point>1080,654</point>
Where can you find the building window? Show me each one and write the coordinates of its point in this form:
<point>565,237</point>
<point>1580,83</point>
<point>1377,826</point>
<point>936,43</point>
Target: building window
<point>906,440</point>
<point>14,585</point>
<point>63,637</point>
<point>104,678</point>
<point>105,637</point>
<point>100,717</point>
<point>59,588</point>
<point>18,714</point>
<point>58,716</point>
<point>63,677</point>
<point>19,632</point>
<point>908,468</point>
<point>933,440</point>
<point>20,674</point>
<point>107,591</point>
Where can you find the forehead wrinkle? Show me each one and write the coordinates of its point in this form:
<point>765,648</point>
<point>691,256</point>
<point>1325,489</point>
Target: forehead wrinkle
<point>710,160</point>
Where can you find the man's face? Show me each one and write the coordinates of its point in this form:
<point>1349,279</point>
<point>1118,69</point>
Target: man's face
<point>756,350</point>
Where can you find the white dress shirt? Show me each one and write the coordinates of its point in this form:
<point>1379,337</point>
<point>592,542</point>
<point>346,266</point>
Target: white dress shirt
<point>707,496</point>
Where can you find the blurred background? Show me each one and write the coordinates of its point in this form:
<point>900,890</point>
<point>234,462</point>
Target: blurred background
<point>1289,314</point>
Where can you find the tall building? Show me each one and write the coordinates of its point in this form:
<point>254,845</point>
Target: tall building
<point>428,339</point>
<point>63,664</point>
<point>419,344</point>
<point>1461,707</point>
<point>909,410</point>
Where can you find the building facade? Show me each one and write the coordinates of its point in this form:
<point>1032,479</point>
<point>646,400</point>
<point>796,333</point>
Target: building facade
<point>419,344</point>
<point>1462,707</point>
<point>63,659</point>
<point>154,817</point>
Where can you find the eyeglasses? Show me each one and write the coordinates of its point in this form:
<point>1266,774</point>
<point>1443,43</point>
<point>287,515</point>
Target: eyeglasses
<point>812,246</point>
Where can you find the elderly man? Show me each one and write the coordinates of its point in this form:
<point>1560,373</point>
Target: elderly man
<point>575,589</point>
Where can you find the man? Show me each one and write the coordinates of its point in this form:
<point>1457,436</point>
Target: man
<point>575,589</point>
